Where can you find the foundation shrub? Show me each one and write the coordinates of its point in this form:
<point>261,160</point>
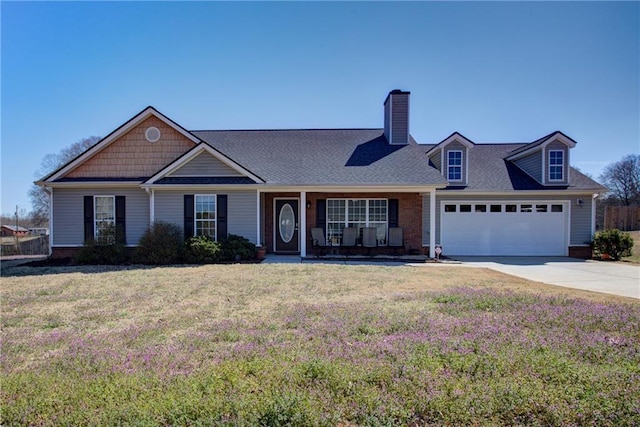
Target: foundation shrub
<point>235,245</point>
<point>161,244</point>
<point>106,248</point>
<point>202,250</point>
<point>615,243</point>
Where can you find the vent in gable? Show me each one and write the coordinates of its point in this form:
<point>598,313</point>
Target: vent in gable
<point>152,134</point>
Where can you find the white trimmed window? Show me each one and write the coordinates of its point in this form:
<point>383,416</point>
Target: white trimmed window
<point>205,215</point>
<point>104,218</point>
<point>556,165</point>
<point>357,213</point>
<point>454,165</point>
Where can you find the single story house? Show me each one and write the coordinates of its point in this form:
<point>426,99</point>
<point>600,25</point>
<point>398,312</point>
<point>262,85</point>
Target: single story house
<point>13,230</point>
<point>273,186</point>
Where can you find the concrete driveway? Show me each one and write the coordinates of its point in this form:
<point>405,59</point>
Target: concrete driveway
<point>608,277</point>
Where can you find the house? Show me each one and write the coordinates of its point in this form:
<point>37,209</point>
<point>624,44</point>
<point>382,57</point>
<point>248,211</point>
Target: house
<point>14,230</point>
<point>273,186</point>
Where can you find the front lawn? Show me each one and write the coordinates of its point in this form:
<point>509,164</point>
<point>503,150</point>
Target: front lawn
<point>308,344</point>
<point>635,252</point>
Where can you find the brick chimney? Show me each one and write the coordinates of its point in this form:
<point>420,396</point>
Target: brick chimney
<point>396,117</point>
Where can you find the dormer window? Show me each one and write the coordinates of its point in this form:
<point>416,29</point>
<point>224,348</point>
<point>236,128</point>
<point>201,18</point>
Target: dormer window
<point>454,165</point>
<point>556,165</point>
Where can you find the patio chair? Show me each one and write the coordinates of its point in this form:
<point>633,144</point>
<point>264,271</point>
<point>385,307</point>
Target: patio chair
<point>396,241</point>
<point>318,242</point>
<point>369,238</point>
<point>349,239</point>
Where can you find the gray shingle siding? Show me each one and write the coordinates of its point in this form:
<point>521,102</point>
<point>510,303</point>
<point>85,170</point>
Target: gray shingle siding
<point>241,210</point>
<point>68,213</point>
<point>532,165</point>
<point>205,165</point>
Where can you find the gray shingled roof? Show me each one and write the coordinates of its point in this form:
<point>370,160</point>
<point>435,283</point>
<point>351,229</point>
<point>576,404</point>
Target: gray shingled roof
<point>489,171</point>
<point>325,157</point>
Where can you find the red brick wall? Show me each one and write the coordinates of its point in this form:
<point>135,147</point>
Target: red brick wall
<point>410,214</point>
<point>583,252</point>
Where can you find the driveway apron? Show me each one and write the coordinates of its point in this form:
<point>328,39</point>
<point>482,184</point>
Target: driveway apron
<point>608,277</point>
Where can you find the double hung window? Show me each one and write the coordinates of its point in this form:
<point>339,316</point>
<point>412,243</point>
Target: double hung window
<point>205,215</point>
<point>556,165</point>
<point>104,217</point>
<point>454,165</point>
<point>357,213</point>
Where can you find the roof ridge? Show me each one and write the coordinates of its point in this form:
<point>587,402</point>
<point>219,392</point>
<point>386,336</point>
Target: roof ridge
<point>280,130</point>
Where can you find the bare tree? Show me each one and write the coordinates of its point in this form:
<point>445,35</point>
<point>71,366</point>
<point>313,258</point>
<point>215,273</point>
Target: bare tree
<point>50,163</point>
<point>623,180</point>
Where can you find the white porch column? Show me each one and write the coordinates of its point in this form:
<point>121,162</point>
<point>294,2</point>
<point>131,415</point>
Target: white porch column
<point>258,210</point>
<point>432,223</point>
<point>152,206</point>
<point>50,191</point>
<point>593,214</point>
<point>302,229</point>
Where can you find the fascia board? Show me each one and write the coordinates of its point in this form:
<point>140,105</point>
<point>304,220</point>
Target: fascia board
<point>520,194</point>
<point>90,184</point>
<point>557,136</point>
<point>373,188</point>
<point>456,136</point>
<point>117,133</point>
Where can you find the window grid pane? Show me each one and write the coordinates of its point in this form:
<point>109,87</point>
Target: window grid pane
<point>358,214</point>
<point>556,165</point>
<point>205,213</point>
<point>104,213</point>
<point>454,165</point>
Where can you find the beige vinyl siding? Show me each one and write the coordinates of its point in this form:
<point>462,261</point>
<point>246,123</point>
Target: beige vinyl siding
<point>68,213</point>
<point>532,165</point>
<point>241,210</point>
<point>580,215</point>
<point>557,146</point>
<point>205,165</point>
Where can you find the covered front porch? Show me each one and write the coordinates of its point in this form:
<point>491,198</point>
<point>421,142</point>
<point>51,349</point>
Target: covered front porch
<point>287,218</point>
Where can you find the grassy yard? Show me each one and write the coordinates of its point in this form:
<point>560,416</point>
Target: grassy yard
<point>635,257</point>
<point>308,344</point>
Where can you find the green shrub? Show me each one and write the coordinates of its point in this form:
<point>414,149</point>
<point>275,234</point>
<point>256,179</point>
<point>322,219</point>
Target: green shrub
<point>202,250</point>
<point>160,244</point>
<point>614,242</point>
<point>235,245</point>
<point>106,248</point>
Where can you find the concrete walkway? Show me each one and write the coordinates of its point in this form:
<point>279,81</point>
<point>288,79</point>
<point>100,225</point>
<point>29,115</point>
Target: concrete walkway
<point>615,278</point>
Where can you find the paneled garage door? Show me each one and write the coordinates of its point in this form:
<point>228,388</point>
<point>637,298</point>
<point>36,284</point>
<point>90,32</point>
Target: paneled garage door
<point>506,229</point>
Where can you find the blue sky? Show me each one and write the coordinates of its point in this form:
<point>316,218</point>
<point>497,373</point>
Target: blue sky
<point>494,71</point>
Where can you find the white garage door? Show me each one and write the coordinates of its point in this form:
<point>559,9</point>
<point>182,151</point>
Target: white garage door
<point>507,229</point>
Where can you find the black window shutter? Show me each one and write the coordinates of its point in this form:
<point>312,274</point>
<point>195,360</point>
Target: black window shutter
<point>121,233</point>
<point>321,214</point>
<point>188,216</point>
<point>393,212</point>
<point>222,216</point>
<point>88,219</point>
